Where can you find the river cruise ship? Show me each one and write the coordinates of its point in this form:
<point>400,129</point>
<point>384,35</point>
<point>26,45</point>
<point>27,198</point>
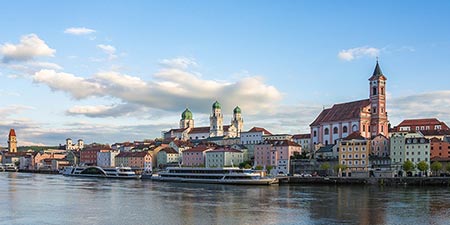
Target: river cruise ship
<point>230,175</point>
<point>96,171</point>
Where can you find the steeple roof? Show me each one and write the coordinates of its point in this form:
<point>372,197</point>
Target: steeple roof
<point>12,133</point>
<point>377,73</point>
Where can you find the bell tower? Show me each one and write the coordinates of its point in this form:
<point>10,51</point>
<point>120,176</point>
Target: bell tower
<point>378,114</point>
<point>216,121</point>
<point>12,141</point>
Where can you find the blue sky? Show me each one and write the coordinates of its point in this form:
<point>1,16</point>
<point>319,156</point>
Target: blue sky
<point>116,71</point>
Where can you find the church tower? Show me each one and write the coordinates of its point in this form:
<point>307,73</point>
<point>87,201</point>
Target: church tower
<point>216,121</point>
<point>237,121</point>
<point>187,120</point>
<point>378,117</point>
<point>12,141</point>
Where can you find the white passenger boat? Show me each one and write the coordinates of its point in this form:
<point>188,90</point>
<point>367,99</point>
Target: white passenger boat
<point>230,175</point>
<point>96,171</point>
<point>10,167</point>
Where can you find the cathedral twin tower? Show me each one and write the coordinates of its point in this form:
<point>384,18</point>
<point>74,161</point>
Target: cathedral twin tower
<point>216,127</point>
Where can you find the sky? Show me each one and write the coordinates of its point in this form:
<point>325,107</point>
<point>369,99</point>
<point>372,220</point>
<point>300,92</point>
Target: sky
<point>115,71</point>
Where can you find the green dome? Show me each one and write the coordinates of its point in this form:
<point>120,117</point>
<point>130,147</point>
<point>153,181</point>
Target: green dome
<point>216,105</point>
<point>186,115</point>
<point>237,110</point>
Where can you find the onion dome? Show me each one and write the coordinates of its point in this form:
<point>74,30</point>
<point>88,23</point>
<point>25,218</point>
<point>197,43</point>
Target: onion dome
<point>237,110</point>
<point>216,105</point>
<point>186,115</point>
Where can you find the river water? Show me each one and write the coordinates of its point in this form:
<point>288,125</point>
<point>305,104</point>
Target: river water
<point>55,199</point>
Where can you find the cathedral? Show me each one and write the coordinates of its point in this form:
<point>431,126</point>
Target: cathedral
<point>188,131</point>
<point>367,117</point>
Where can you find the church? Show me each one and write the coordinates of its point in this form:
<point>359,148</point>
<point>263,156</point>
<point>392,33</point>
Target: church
<point>367,117</point>
<point>188,131</point>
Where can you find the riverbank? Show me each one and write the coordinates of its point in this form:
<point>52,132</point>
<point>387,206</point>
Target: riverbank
<point>394,181</point>
<point>39,171</point>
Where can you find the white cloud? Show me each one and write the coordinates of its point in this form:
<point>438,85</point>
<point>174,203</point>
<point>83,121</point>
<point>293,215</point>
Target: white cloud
<point>355,53</point>
<point>108,49</point>
<point>179,63</point>
<point>30,46</point>
<point>78,87</point>
<point>79,31</point>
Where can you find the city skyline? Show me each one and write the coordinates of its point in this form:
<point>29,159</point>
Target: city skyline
<point>126,71</point>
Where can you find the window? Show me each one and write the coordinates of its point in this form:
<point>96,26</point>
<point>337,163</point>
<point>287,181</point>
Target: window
<point>344,129</point>
<point>354,128</point>
<point>335,130</point>
<point>374,90</point>
<point>326,131</point>
<point>374,110</point>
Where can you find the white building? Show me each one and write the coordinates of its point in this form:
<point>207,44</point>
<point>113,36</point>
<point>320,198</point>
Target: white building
<point>408,147</point>
<point>224,157</point>
<point>72,146</point>
<point>106,158</point>
<point>166,156</point>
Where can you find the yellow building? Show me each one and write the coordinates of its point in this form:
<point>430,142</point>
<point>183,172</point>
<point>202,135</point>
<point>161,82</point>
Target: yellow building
<point>354,154</point>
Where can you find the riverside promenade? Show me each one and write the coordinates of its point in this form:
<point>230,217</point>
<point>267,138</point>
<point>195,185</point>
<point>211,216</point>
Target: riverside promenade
<point>394,181</point>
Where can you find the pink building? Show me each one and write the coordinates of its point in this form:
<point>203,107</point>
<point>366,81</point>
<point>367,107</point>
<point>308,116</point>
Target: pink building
<point>195,156</point>
<point>276,154</point>
<point>367,117</point>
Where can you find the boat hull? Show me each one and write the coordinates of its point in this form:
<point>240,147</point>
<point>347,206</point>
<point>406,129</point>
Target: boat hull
<point>102,176</point>
<point>262,181</point>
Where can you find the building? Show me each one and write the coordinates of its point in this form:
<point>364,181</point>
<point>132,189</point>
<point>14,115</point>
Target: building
<point>195,156</point>
<point>379,156</point>
<point>414,125</point>
<point>254,136</point>
<point>188,131</point>
<point>106,158</point>
<point>135,160</point>
<point>326,152</point>
<point>367,117</point>
<point>72,146</point>
<point>276,153</point>
<point>223,157</point>
<point>167,155</point>
<point>354,154</point>
<point>440,149</point>
<point>88,156</point>
<point>408,147</point>
<point>12,141</point>
<point>304,140</point>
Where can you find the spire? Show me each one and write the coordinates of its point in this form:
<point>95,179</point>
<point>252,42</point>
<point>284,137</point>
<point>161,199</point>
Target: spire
<point>377,70</point>
<point>12,133</point>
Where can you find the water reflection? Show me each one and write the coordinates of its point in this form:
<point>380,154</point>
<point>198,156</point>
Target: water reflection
<point>54,199</point>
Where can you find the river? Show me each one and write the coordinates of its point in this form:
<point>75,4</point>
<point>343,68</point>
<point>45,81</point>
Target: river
<point>54,199</point>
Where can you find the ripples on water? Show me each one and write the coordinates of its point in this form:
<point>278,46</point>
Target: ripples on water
<point>55,199</point>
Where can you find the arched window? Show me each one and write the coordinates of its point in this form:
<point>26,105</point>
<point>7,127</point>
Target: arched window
<point>326,142</point>
<point>326,131</point>
<point>354,128</point>
<point>315,133</point>
<point>374,90</point>
<point>344,129</point>
<point>335,130</point>
<point>382,90</point>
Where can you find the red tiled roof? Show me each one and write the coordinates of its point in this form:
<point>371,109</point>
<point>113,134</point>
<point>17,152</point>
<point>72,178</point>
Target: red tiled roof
<point>260,129</point>
<point>434,132</point>
<point>200,148</point>
<point>341,112</point>
<point>423,122</point>
<point>12,133</point>
<point>199,130</point>
<point>169,150</point>
<point>354,136</point>
<point>301,136</point>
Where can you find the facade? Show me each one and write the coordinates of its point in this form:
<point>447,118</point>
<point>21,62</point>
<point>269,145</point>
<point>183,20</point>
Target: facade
<point>254,136</point>
<point>379,152</point>
<point>195,156</point>
<point>12,141</point>
<point>106,158</point>
<point>276,154</point>
<point>354,153</point>
<point>71,146</point>
<point>135,160</point>
<point>326,152</point>
<point>414,125</point>
<point>367,117</point>
<point>223,157</point>
<point>188,131</point>
<point>167,155</point>
<point>408,147</point>
<point>274,137</point>
<point>440,149</point>
<point>304,140</point>
<point>88,156</point>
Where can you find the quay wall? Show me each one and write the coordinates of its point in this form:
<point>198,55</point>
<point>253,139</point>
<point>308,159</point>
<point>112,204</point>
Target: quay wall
<point>394,181</point>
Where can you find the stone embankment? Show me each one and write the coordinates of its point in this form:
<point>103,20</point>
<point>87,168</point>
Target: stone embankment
<point>394,181</point>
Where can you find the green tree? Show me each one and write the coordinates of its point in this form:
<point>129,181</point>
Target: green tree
<point>258,167</point>
<point>447,167</point>
<point>422,166</point>
<point>436,166</point>
<point>269,168</point>
<point>325,166</point>
<point>247,166</point>
<point>408,166</point>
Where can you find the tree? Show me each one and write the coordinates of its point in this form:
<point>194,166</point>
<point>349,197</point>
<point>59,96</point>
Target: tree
<point>422,166</point>
<point>447,167</point>
<point>436,166</point>
<point>325,166</point>
<point>247,166</point>
<point>408,166</point>
<point>340,166</point>
<point>258,167</point>
<point>269,168</point>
